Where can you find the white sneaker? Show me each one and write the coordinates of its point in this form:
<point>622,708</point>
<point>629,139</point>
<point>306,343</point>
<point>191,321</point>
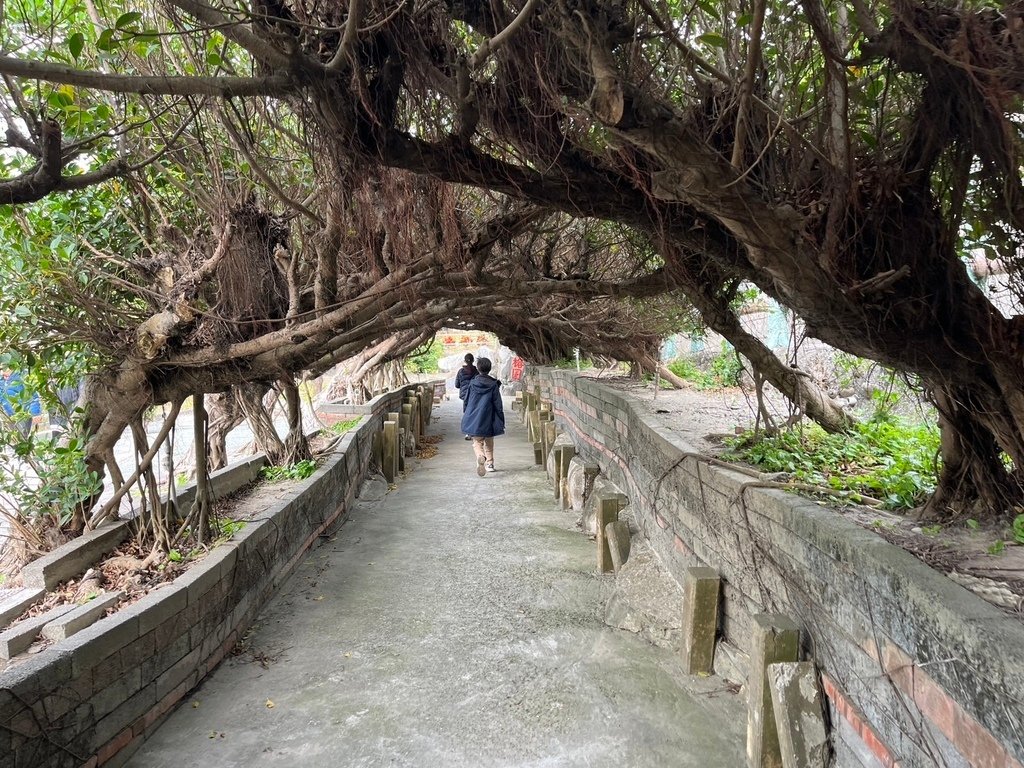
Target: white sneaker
<point>490,467</point>
<point>480,466</point>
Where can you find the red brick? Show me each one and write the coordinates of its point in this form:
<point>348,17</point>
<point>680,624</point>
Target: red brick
<point>850,712</point>
<point>115,745</point>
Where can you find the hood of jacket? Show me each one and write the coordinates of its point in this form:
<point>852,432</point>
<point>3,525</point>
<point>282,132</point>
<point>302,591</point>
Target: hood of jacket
<point>482,383</point>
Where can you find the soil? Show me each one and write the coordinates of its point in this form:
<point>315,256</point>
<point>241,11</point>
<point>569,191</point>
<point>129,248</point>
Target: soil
<point>980,557</point>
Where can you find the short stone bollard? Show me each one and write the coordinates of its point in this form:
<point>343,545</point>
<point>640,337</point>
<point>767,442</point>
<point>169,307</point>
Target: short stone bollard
<point>775,638</point>
<point>796,701</point>
<point>403,436</point>
<point>617,534</point>
<point>390,463</point>
<point>533,426</point>
<point>701,588</point>
<point>562,458</point>
<point>548,436</point>
<point>608,506</point>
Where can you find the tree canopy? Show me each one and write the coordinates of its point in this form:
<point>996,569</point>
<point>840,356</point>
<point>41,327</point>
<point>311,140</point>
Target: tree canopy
<point>299,181</point>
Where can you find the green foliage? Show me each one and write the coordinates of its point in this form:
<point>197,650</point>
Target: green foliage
<point>850,368</point>
<point>225,528</point>
<point>298,471</point>
<point>424,360</point>
<point>341,427</point>
<point>998,548</point>
<point>885,458</point>
<point>931,530</point>
<point>724,371</point>
<point>42,480</point>
<point>1018,529</point>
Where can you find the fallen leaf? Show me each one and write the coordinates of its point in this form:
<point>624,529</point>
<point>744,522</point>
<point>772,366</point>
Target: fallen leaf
<point>195,705</point>
<point>270,704</point>
<point>348,655</point>
<point>319,597</point>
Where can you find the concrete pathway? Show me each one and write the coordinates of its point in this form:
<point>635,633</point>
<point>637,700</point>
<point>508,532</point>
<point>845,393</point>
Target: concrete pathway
<point>457,622</point>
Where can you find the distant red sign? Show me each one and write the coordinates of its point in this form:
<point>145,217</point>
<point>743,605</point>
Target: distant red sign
<point>518,365</point>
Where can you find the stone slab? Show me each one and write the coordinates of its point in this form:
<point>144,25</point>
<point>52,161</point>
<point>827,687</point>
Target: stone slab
<point>775,638</point>
<point>646,599</point>
<point>16,603</point>
<point>796,699</point>
<point>73,558</point>
<point>18,638</point>
<point>81,617</point>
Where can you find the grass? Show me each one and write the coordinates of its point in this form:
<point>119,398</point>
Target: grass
<point>298,471</point>
<point>341,427</point>
<point>886,458</point>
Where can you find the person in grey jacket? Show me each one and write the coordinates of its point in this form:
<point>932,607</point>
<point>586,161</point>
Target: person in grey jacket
<point>484,417</point>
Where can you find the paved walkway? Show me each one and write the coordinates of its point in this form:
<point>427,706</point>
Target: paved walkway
<point>457,622</point>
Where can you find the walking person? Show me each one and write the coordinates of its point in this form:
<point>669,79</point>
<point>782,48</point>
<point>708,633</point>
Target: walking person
<point>465,375</point>
<point>484,417</point>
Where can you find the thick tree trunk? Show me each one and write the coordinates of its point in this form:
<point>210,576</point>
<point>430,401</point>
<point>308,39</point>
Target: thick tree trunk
<point>224,415</point>
<point>700,288</point>
<point>296,446</point>
<point>266,437</point>
<point>973,479</point>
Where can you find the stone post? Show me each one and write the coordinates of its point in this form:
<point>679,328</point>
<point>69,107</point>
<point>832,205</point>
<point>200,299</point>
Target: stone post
<point>534,426</point>
<point>775,638</point>
<point>406,423</point>
<point>390,463</point>
<point>608,506</point>
<point>548,438</point>
<point>403,437</point>
<point>562,458</point>
<point>701,588</point>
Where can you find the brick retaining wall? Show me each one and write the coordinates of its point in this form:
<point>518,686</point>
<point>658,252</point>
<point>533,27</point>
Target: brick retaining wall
<point>91,699</point>
<point>918,671</point>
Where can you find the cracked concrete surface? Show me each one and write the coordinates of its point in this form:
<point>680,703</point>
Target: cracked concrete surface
<point>457,622</point>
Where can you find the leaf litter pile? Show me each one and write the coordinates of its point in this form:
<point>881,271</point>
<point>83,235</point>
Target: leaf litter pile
<point>427,448</point>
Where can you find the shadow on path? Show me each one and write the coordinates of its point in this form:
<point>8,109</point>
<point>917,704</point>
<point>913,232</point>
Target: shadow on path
<point>457,622</point>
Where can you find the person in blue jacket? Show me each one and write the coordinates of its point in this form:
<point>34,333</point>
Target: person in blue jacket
<point>462,378</point>
<point>484,417</point>
<point>13,397</point>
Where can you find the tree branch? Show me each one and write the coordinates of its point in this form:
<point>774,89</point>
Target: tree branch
<point>46,176</point>
<point>156,85</point>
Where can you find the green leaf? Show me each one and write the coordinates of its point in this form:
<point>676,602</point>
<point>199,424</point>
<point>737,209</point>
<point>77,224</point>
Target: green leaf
<point>76,43</point>
<point>127,19</point>
<point>743,20</point>
<point>105,41</point>
<point>213,59</point>
<point>713,38</point>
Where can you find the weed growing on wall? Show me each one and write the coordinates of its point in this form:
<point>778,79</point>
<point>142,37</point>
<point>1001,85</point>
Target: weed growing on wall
<point>341,427</point>
<point>886,458</point>
<point>298,471</point>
